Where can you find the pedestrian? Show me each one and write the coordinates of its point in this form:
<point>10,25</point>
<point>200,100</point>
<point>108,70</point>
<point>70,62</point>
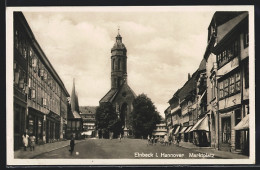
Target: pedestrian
<point>148,140</point>
<point>155,140</point>
<point>170,139</point>
<point>120,137</point>
<point>166,140</point>
<point>32,142</point>
<point>72,144</point>
<point>178,139</point>
<point>25,140</point>
<point>152,140</point>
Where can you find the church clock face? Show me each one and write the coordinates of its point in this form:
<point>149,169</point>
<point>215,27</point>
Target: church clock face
<point>124,94</point>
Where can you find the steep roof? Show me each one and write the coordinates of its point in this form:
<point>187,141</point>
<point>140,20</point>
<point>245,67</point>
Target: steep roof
<point>202,65</point>
<point>188,87</point>
<point>221,17</point>
<point>74,115</point>
<point>112,93</point>
<point>109,96</point>
<point>118,44</point>
<point>74,99</point>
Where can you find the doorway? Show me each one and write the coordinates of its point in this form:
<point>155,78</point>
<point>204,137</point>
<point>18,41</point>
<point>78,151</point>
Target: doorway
<point>238,136</point>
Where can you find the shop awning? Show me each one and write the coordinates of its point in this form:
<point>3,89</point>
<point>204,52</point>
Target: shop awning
<point>202,124</point>
<point>243,124</point>
<point>159,133</point>
<point>175,109</point>
<point>87,133</point>
<point>183,129</point>
<point>188,129</point>
<point>177,130</point>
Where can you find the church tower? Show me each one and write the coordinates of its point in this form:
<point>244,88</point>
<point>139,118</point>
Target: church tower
<point>118,63</point>
<point>121,96</point>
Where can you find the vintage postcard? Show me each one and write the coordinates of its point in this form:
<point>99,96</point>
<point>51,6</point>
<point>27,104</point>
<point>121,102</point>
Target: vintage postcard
<point>146,85</point>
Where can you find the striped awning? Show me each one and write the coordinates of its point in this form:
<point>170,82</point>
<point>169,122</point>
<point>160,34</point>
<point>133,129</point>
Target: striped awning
<point>188,129</point>
<point>177,130</point>
<point>243,124</point>
<point>183,129</point>
<point>202,124</point>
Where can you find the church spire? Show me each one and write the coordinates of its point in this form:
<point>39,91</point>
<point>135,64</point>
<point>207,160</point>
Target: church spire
<point>74,98</point>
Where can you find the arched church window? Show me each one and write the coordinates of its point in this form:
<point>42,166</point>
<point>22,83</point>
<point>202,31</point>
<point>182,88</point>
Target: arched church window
<point>119,62</point>
<point>115,82</point>
<point>113,64</point>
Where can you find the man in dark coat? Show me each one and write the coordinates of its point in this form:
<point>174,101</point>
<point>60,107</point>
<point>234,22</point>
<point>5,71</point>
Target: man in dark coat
<point>72,144</point>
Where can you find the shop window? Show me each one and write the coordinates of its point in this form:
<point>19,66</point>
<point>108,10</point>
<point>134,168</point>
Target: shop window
<point>73,125</point>
<point>40,129</point>
<point>31,125</point>
<point>69,125</point>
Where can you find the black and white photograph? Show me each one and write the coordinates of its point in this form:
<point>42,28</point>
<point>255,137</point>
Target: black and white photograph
<point>130,85</point>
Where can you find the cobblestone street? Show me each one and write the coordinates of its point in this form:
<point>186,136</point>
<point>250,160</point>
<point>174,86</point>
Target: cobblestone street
<point>127,148</point>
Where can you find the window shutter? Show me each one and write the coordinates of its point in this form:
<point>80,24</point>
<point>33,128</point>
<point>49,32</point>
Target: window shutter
<point>21,83</point>
<point>14,65</point>
<point>32,93</point>
<point>30,82</point>
<point>41,72</point>
<point>34,62</point>
<point>16,77</point>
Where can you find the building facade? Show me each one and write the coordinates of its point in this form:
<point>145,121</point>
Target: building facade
<point>88,115</point>
<point>160,131</point>
<point>40,97</point>
<point>218,105</point>
<point>120,94</point>
<point>231,51</point>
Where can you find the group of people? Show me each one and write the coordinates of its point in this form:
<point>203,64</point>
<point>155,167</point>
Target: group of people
<point>28,141</point>
<point>167,140</point>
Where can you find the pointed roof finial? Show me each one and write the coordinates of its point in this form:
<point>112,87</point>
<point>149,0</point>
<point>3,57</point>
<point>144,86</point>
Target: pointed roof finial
<point>118,29</point>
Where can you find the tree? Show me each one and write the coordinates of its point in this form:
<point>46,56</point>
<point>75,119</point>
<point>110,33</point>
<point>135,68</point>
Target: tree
<point>144,116</point>
<point>106,120</point>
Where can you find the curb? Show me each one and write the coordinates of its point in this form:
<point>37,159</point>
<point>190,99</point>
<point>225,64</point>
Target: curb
<point>34,156</point>
<point>54,149</point>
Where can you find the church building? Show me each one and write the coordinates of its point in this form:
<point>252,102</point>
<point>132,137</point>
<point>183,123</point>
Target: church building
<point>120,95</point>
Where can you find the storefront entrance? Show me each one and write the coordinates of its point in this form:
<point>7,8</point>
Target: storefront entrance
<point>226,133</point>
<point>35,125</point>
<point>238,137</point>
<point>19,125</point>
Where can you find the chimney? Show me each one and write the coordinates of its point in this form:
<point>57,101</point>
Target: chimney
<point>188,76</point>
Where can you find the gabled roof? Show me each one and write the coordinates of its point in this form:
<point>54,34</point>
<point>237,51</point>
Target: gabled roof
<point>109,96</point>
<point>188,87</point>
<point>74,115</point>
<point>112,93</point>
<point>221,17</point>
<point>88,109</point>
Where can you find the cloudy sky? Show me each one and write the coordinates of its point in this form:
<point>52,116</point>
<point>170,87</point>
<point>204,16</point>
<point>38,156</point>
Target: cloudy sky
<point>162,48</point>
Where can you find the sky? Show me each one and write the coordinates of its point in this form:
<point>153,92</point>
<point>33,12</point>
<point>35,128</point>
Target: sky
<point>162,48</point>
